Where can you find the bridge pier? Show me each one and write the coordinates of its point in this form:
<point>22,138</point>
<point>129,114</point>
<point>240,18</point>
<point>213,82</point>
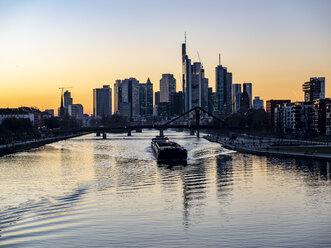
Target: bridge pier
<point>129,132</point>
<point>191,131</point>
<point>104,135</point>
<point>161,133</point>
<point>98,134</point>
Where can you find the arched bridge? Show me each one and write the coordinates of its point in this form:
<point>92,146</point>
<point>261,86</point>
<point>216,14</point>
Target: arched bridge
<point>195,127</point>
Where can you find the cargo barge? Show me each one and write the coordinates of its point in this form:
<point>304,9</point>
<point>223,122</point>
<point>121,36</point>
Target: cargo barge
<point>168,151</point>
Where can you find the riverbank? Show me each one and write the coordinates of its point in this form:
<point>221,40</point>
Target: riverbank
<point>274,147</point>
<point>26,145</point>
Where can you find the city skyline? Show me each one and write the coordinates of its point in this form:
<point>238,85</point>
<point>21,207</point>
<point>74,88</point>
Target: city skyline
<point>42,52</point>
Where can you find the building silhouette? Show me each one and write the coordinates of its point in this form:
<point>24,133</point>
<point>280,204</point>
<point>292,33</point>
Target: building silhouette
<point>223,90</point>
<point>142,99</point>
<point>236,96</point>
<point>258,103</point>
<point>149,98</point>
<point>212,103</point>
<point>146,98</point>
<point>117,95</point>
<point>195,85</point>
<point>244,102</point>
<point>176,103</point>
<point>186,78</point>
<point>130,104</point>
<point>76,111</point>
<point>270,109</point>
<point>248,88</point>
<point>67,100</point>
<point>167,87</point>
<point>314,89</point>
<point>102,101</point>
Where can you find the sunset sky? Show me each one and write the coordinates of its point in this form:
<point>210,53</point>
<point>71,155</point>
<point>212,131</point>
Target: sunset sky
<point>276,45</point>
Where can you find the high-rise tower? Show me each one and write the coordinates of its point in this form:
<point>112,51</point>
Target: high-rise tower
<point>187,78</point>
<point>223,90</point>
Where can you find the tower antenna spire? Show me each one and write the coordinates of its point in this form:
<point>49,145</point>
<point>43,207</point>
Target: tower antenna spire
<point>219,59</point>
<point>185,37</point>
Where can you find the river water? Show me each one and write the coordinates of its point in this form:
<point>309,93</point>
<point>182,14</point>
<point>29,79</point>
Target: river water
<point>89,192</point>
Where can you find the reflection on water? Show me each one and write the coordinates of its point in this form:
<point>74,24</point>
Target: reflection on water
<point>112,193</point>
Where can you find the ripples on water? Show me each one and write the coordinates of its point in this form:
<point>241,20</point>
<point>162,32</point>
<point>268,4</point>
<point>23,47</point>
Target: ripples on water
<point>91,192</point>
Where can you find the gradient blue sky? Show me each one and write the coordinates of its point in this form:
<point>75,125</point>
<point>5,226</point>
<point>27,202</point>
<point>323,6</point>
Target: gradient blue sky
<point>276,45</point>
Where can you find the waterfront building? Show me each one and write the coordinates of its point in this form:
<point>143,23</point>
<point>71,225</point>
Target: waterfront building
<point>76,111</point>
<point>248,88</point>
<point>314,89</point>
<point>303,118</point>
<point>321,107</point>
<point>283,118</point>
<point>102,101</point>
<point>223,90</point>
<point>236,96</point>
<point>270,109</point>
<point>328,119</point>
<point>32,114</point>
<point>258,103</point>
<point>167,87</point>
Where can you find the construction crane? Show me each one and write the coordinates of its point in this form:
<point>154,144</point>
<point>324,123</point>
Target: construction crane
<point>62,89</point>
<point>199,59</point>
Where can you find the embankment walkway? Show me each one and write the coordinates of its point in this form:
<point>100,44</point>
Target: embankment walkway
<point>270,147</point>
<point>25,145</point>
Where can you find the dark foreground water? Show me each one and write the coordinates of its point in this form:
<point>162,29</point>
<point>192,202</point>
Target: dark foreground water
<point>89,192</point>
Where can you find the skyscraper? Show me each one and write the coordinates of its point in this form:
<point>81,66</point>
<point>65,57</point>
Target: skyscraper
<point>142,99</point>
<point>130,95</point>
<point>146,98</point>
<point>176,103</point>
<point>157,98</point>
<point>248,88</point>
<point>117,95</point>
<point>204,92</point>
<point>236,96</point>
<point>195,85</point>
<point>157,103</point>
<point>102,101</point>
<point>149,98</point>
<point>167,87</point>
<point>67,99</point>
<point>314,89</point>
<point>223,90</point>
<point>187,78</point>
